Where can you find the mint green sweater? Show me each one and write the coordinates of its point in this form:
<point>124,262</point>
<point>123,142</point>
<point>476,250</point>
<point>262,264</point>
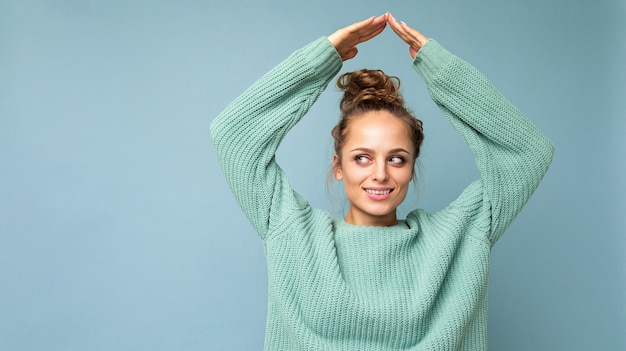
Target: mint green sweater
<point>418,285</point>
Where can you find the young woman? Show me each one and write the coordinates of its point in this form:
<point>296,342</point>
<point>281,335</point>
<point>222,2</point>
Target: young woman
<point>372,281</point>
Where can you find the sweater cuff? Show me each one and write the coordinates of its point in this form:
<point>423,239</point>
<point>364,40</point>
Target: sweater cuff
<point>323,57</point>
<point>430,59</point>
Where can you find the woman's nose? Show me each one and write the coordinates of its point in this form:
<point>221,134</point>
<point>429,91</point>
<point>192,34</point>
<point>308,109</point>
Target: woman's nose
<point>380,172</point>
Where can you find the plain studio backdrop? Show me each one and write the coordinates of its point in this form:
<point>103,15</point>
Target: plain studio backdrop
<point>117,230</point>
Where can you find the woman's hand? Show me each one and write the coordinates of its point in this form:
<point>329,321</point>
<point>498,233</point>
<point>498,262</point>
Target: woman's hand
<point>346,39</point>
<point>410,36</point>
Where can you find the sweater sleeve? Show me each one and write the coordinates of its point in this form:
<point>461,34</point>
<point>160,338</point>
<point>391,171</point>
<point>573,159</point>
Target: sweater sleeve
<point>511,153</point>
<point>248,132</point>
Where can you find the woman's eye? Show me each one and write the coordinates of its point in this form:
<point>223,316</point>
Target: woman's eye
<point>361,159</point>
<point>396,160</point>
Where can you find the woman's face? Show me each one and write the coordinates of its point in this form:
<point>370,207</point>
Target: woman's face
<point>376,167</point>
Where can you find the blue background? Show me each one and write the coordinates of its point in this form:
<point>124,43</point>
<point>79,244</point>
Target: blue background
<point>117,231</point>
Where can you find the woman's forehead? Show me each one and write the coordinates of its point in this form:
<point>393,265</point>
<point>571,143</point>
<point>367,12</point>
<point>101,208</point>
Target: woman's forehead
<point>378,129</point>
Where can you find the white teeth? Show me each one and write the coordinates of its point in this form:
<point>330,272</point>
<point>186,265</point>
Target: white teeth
<point>378,192</point>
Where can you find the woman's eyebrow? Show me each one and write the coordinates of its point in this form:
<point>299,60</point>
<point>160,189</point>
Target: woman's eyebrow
<point>362,149</point>
<point>392,151</point>
<point>396,150</point>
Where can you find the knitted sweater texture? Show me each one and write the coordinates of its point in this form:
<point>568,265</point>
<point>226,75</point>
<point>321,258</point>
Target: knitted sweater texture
<point>418,285</point>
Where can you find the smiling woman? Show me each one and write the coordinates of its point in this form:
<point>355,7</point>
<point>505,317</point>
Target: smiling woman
<point>371,281</point>
<point>376,167</point>
<point>377,142</point>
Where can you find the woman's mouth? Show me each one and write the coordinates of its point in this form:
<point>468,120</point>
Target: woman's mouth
<point>378,194</point>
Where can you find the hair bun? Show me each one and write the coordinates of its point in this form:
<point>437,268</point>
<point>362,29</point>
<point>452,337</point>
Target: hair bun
<point>368,89</point>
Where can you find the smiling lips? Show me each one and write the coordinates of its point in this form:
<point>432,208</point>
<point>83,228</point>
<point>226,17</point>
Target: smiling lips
<point>378,194</point>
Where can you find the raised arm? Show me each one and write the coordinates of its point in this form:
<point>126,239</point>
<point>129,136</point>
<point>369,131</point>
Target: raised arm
<point>248,132</point>
<point>511,153</point>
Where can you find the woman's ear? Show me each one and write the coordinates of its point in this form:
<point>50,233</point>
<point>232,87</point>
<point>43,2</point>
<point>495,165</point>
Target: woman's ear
<point>337,168</point>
